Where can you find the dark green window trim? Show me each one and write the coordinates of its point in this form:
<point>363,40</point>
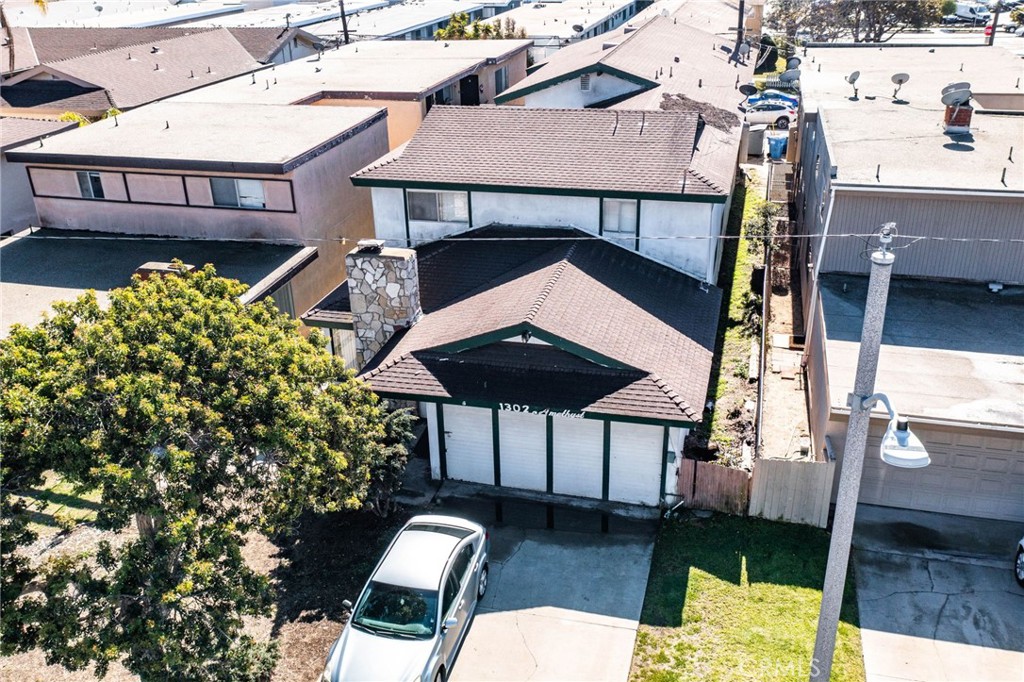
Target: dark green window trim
<point>496,439</point>
<point>607,463</point>
<point>469,208</point>
<point>600,217</point>
<point>441,452</point>
<point>513,94</point>
<point>636,242</point>
<point>550,454</point>
<point>664,466</point>
<point>405,215</point>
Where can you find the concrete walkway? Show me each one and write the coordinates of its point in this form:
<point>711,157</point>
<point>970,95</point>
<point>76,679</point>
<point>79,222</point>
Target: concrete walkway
<point>937,597</point>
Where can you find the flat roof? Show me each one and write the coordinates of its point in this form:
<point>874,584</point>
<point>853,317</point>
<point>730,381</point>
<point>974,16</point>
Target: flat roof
<point>902,141</point>
<point>396,19</point>
<point>59,265</point>
<point>378,69</point>
<point>293,14</point>
<point>129,13</point>
<point>203,136</point>
<point>950,351</point>
<point>544,19</point>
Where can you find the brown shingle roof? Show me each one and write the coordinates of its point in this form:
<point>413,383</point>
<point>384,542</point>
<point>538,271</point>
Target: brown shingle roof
<point>564,149</point>
<point>53,44</point>
<point>263,42</point>
<point>637,318</point>
<point>18,131</point>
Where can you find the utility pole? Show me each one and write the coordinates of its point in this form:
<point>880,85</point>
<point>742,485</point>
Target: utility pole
<point>344,20</point>
<point>995,22</point>
<point>853,458</point>
<point>740,26</point>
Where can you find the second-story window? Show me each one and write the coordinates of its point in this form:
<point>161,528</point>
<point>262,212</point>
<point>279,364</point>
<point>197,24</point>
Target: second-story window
<point>440,207</point>
<point>501,80</point>
<point>619,218</point>
<point>238,193</point>
<point>90,185</point>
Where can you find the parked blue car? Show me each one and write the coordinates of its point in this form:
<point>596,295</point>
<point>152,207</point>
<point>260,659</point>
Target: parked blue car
<point>775,96</point>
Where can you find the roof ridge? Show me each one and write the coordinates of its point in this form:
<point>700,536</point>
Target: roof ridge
<point>711,184</point>
<point>387,365</point>
<point>199,30</point>
<point>550,284</point>
<point>627,37</point>
<point>672,395</point>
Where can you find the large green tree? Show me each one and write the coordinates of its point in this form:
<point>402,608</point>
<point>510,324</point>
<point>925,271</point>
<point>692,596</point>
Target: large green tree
<point>872,21</point>
<point>200,420</point>
<point>460,28</point>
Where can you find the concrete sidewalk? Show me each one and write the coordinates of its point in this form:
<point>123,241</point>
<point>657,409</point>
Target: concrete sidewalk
<point>937,597</point>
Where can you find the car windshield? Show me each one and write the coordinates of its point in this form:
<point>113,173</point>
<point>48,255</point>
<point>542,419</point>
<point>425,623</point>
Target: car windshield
<point>395,610</point>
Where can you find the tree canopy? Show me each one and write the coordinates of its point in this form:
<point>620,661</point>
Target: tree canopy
<point>199,420</point>
<point>872,21</point>
<point>460,28</point>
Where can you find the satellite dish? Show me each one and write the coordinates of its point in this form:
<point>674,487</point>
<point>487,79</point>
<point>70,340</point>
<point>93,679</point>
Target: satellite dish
<point>793,63</point>
<point>578,28</point>
<point>790,76</point>
<point>956,86</point>
<point>956,98</point>
<point>747,90</point>
<point>900,78</point>
<point>852,78</point>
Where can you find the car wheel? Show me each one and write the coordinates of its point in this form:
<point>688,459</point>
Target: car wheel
<point>481,585</point>
<point>1018,570</point>
<point>439,677</point>
<point>782,123</point>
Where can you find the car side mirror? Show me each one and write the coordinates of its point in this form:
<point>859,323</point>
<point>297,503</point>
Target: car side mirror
<point>347,605</point>
<point>449,623</point>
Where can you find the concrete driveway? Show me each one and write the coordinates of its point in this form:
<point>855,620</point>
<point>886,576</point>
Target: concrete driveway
<point>937,597</point>
<point>563,603</point>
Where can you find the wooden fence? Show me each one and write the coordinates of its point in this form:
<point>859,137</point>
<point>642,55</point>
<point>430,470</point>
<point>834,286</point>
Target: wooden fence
<point>792,490</point>
<point>705,485</point>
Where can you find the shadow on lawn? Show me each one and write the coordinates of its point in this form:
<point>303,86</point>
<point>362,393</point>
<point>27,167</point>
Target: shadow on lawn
<point>723,546</point>
<point>328,561</point>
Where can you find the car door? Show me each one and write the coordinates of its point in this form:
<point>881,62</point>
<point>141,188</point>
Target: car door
<point>458,601</point>
<point>450,609</point>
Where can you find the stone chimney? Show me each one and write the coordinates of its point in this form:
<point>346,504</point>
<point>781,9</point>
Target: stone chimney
<point>384,290</point>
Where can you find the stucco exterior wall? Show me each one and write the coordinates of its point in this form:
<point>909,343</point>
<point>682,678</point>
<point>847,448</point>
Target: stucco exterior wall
<point>159,188</point>
<point>567,94</point>
<point>17,210</point>
<point>404,118</point>
<point>660,219</point>
<point>389,215</point>
<point>536,209</point>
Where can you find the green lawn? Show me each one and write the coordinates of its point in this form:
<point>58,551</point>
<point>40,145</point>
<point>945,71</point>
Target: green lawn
<point>57,505</point>
<point>731,598</point>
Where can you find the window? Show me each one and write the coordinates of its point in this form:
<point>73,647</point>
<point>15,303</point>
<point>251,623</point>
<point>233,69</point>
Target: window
<point>237,193</point>
<point>585,82</point>
<point>461,563</point>
<point>90,185</point>
<point>619,218</point>
<point>451,591</point>
<point>439,207</point>
<point>501,80</point>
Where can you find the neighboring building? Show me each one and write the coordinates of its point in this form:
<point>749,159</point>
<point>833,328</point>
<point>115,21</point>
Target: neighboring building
<point>553,25</point>
<point>406,77</point>
<point>952,357</point>
<point>638,66</point>
<point>114,13</point>
<point>541,359</point>
<point>654,182</point>
<point>42,267</point>
<point>18,209</point>
<point>192,170</point>
<point>415,20</point>
<point>36,46</point>
<point>292,14</point>
<point>125,77</point>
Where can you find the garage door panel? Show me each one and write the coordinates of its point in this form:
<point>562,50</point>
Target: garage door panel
<point>579,456</point>
<point>965,477</point>
<point>634,473</point>
<point>523,447</point>
<point>469,444</point>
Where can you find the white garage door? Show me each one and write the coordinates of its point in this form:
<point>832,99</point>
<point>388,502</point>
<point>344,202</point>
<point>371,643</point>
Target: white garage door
<point>579,456</point>
<point>469,445</point>
<point>636,460</point>
<point>969,475</point>
<point>523,444</point>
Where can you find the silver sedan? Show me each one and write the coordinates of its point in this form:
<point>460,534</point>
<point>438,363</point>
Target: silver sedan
<point>416,607</point>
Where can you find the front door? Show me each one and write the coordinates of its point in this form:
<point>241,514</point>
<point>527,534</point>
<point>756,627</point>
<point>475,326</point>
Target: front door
<point>469,88</point>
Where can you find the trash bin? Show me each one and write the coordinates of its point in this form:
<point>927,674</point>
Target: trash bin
<point>777,147</point>
<point>755,146</point>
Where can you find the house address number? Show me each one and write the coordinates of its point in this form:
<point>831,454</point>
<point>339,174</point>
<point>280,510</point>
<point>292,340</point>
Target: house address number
<point>512,407</point>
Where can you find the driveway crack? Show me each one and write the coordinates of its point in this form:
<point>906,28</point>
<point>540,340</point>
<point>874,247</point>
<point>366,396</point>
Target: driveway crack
<point>527,647</point>
<point>938,618</point>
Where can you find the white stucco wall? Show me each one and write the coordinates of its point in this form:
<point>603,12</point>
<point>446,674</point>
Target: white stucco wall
<point>535,209</point>
<point>679,219</point>
<point>567,94</point>
<point>389,215</point>
<point>17,208</point>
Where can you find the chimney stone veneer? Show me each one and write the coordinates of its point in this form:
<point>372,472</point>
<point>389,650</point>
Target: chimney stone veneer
<point>384,291</point>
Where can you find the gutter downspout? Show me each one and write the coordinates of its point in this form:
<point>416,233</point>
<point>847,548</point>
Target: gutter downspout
<point>814,278</point>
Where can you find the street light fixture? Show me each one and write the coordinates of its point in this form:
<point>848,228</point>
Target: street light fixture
<point>900,447</point>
